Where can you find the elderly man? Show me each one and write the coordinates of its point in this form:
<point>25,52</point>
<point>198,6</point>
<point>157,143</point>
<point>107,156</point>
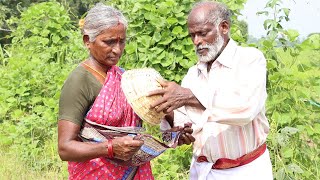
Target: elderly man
<point>223,96</point>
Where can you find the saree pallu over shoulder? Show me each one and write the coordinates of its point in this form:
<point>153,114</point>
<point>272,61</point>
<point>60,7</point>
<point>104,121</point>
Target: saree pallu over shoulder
<point>110,108</point>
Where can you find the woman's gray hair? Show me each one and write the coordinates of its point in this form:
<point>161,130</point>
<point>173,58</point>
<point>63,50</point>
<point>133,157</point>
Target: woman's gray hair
<point>101,17</point>
<point>217,14</point>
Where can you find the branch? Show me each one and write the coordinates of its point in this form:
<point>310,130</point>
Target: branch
<point>7,30</point>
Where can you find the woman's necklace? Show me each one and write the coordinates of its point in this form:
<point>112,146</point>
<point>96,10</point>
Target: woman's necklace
<point>104,77</point>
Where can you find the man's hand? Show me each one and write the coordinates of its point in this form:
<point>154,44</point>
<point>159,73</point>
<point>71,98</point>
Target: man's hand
<point>186,137</point>
<point>173,96</point>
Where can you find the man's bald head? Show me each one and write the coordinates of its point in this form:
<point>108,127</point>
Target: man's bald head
<point>208,11</point>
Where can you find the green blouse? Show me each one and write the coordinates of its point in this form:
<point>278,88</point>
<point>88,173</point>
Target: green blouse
<point>77,95</point>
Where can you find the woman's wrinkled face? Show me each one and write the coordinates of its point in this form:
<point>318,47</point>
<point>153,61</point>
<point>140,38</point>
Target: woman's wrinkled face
<point>108,45</point>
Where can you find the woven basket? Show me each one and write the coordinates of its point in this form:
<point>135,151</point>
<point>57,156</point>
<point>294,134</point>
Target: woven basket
<point>136,84</point>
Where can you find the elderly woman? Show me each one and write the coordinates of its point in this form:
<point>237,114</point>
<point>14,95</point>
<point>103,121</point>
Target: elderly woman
<point>92,91</point>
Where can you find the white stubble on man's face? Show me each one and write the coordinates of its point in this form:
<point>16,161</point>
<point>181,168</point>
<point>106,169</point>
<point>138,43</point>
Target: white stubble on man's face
<point>213,49</point>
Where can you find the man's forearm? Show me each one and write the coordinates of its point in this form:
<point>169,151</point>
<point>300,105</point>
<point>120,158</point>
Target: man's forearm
<point>192,100</point>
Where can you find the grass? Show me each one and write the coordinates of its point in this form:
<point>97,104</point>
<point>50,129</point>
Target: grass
<point>14,169</point>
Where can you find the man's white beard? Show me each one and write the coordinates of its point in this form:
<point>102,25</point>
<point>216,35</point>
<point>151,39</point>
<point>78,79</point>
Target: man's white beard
<point>213,50</point>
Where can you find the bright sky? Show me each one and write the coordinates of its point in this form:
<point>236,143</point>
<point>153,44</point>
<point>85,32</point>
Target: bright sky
<point>304,16</point>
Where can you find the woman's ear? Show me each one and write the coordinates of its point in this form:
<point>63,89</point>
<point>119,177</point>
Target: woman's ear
<point>86,41</point>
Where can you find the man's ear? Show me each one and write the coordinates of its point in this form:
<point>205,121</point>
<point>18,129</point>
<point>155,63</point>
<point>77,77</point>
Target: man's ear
<point>86,41</point>
<point>225,27</point>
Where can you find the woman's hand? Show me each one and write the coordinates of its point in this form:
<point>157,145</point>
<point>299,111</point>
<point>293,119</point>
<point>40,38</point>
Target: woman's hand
<point>71,149</point>
<point>125,147</point>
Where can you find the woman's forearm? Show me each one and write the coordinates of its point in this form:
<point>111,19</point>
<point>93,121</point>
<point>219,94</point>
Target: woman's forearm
<point>71,149</point>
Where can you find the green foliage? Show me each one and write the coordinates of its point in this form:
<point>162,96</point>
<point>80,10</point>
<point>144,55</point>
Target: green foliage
<point>46,45</point>
<point>173,164</point>
<point>294,120</point>
<point>313,42</point>
<point>158,35</point>
<point>46,29</point>
<point>243,28</point>
<point>3,11</point>
<point>293,83</point>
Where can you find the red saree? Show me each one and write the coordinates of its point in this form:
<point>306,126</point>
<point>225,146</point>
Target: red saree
<point>112,109</point>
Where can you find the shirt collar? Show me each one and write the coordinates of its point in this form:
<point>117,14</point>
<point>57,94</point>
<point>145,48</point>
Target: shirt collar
<point>225,58</point>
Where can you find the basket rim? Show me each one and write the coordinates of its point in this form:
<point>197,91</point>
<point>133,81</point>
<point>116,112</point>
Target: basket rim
<point>133,95</point>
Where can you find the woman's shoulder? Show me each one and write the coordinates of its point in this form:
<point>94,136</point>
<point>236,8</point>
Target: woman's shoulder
<point>78,73</point>
<point>77,94</point>
<point>81,82</point>
<point>80,76</point>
